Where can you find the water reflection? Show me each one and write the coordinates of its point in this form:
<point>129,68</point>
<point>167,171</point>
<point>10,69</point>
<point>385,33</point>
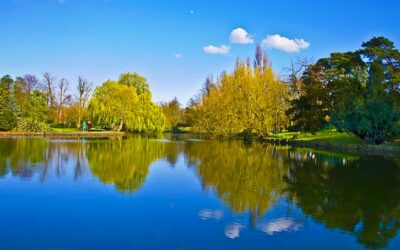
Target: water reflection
<point>354,194</point>
<point>207,214</point>
<point>246,177</point>
<point>232,231</point>
<point>361,197</point>
<point>280,225</point>
<point>27,158</point>
<point>122,163</point>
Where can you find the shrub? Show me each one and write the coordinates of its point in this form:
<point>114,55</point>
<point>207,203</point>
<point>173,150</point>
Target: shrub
<point>31,125</point>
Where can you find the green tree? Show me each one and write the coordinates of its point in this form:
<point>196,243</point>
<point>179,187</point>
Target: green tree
<point>8,107</point>
<point>173,113</point>
<point>345,75</point>
<point>376,120</point>
<point>355,91</point>
<point>21,95</point>
<point>310,110</point>
<point>136,81</point>
<point>381,50</point>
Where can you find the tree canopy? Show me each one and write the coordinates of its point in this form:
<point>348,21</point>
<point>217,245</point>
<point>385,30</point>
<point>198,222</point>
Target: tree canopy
<point>126,105</point>
<point>248,99</point>
<point>357,91</point>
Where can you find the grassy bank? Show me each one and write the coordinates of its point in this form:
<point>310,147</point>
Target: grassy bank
<point>327,136</point>
<point>333,140</point>
<point>67,132</point>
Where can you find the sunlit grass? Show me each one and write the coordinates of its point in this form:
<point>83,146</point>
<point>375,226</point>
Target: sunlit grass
<point>327,136</point>
<point>65,130</point>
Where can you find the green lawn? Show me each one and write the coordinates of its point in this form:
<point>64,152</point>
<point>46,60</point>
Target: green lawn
<point>65,130</point>
<point>331,136</point>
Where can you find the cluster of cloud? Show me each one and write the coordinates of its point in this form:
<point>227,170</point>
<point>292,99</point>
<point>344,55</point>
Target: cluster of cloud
<point>284,43</point>
<point>221,50</point>
<point>241,36</point>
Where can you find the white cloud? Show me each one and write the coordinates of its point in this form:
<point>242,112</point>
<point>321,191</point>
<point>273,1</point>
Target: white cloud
<point>284,43</point>
<point>232,231</point>
<point>240,36</point>
<point>207,214</point>
<point>279,225</point>
<point>222,50</point>
<point>178,56</point>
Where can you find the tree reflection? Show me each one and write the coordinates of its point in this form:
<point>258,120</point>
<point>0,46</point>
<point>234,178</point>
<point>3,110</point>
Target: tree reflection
<point>124,163</point>
<point>26,158</point>
<point>247,178</point>
<point>24,155</point>
<point>361,197</point>
<point>6,149</point>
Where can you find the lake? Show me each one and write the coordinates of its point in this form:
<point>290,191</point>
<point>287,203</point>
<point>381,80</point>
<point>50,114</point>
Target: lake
<point>181,193</point>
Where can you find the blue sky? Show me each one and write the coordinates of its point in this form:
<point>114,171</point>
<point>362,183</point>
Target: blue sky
<point>166,40</point>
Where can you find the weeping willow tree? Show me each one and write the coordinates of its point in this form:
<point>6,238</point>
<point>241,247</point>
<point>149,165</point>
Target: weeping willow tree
<point>126,105</point>
<point>248,99</point>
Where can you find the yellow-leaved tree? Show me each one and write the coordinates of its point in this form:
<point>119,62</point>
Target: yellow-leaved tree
<point>126,105</point>
<point>250,99</point>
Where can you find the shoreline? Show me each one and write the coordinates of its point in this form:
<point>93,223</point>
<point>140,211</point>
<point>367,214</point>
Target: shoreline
<point>368,149</point>
<point>16,134</point>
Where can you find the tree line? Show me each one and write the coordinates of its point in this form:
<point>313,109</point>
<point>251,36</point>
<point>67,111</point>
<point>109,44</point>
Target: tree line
<point>356,92</point>
<point>30,104</point>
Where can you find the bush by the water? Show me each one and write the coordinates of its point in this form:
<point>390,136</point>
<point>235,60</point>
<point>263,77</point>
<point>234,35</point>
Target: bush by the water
<point>31,125</point>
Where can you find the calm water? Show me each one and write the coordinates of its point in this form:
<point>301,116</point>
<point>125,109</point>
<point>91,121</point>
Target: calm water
<point>143,193</point>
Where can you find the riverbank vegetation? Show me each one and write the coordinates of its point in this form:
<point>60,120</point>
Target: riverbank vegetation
<point>32,105</point>
<point>356,93</point>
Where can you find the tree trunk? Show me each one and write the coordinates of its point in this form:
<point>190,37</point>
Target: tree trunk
<point>79,117</point>
<point>121,124</point>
